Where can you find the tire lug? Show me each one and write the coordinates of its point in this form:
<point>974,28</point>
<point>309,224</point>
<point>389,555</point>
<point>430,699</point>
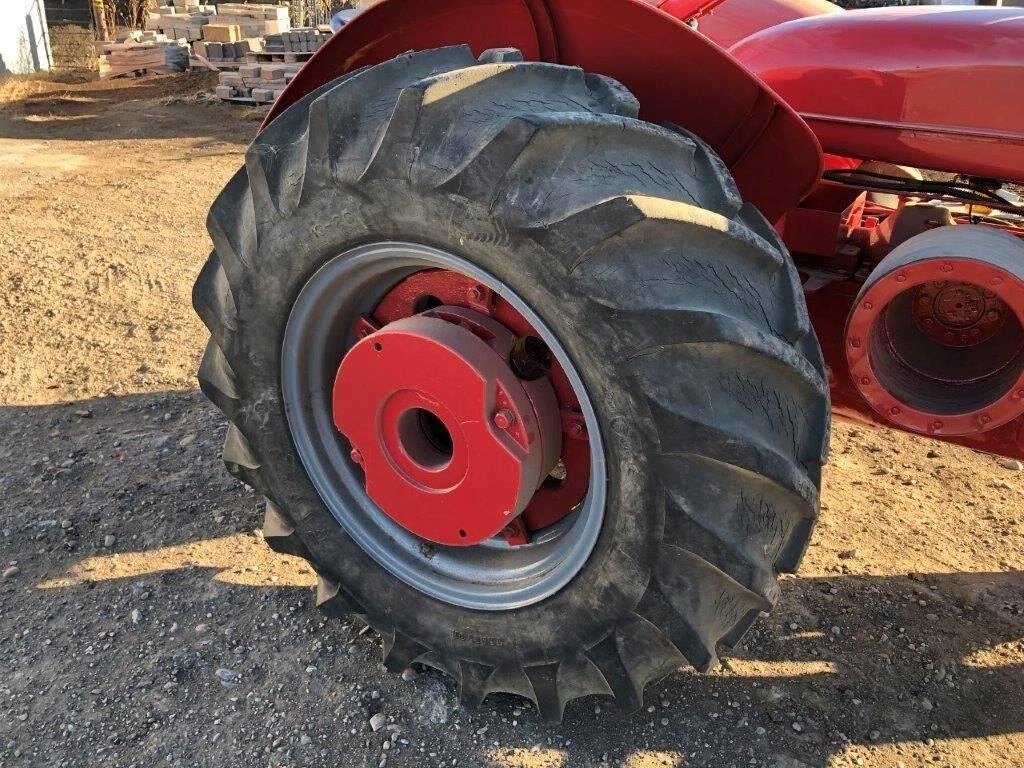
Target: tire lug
<point>504,419</point>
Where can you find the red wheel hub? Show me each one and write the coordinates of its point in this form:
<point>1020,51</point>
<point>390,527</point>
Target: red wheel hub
<point>453,443</point>
<point>934,347</point>
<point>957,313</point>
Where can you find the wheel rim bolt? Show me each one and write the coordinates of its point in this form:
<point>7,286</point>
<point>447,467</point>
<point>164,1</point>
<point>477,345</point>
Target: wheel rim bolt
<point>356,456</point>
<point>504,419</point>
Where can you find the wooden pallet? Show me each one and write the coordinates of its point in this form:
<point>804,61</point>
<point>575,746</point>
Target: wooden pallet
<point>246,100</point>
<point>217,65</point>
<point>270,57</point>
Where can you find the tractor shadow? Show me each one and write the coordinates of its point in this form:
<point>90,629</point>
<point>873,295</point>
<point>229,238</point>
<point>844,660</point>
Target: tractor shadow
<point>149,107</point>
<point>139,564</point>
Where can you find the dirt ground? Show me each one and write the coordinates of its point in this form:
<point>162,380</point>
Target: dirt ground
<point>143,622</point>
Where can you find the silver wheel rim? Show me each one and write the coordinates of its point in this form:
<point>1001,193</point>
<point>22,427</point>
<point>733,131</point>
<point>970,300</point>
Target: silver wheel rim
<point>491,576</point>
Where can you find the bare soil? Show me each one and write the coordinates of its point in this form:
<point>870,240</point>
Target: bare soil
<point>143,622</point>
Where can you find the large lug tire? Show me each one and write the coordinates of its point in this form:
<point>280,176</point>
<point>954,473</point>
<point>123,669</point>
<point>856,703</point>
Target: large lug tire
<point>675,301</point>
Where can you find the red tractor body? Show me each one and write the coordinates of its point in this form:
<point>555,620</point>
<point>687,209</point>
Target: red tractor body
<point>930,88</point>
<point>523,356</point>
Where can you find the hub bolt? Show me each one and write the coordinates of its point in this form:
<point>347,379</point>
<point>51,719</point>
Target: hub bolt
<point>504,419</point>
<point>356,456</point>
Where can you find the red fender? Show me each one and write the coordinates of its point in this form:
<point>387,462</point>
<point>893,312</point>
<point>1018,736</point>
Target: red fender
<point>678,75</point>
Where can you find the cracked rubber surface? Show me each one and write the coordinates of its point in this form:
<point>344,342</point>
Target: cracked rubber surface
<point>676,301</point>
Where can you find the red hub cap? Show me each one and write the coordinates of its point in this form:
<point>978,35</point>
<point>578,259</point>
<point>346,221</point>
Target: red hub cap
<point>453,443</point>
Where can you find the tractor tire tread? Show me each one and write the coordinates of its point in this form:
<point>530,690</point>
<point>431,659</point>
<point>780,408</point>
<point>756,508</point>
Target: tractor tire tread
<point>739,450</point>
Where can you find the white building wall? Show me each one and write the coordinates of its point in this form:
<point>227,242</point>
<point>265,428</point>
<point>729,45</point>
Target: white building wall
<point>24,38</point>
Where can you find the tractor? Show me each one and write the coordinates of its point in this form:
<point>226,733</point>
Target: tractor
<point>515,310</point>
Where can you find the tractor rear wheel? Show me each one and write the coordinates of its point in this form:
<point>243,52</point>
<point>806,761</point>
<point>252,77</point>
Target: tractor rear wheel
<point>520,375</point>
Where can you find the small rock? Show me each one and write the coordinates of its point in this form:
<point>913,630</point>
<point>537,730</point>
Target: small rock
<point>932,454</point>
<point>481,731</point>
<point>304,740</point>
<point>664,721</point>
<point>409,674</point>
<point>109,541</point>
<point>84,414</point>
<point>760,731</point>
<point>12,571</point>
<point>849,554</point>
<point>65,524</point>
<point>875,735</point>
<point>797,727</point>
<point>836,630</point>
<point>378,721</point>
<point>926,704</point>
<point>1011,464</point>
<point>227,677</point>
<point>136,616</point>
<point>186,441</point>
<point>931,617</point>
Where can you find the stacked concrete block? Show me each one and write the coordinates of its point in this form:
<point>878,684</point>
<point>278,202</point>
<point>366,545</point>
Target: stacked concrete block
<point>255,83</point>
<point>138,52</point>
<point>306,40</point>
<point>226,54</point>
<point>185,21</point>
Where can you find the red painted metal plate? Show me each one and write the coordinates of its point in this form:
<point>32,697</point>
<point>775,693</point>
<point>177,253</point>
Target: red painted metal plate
<point>554,498</point>
<point>476,473</point>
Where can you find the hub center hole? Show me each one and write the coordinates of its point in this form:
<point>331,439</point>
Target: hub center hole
<point>425,438</point>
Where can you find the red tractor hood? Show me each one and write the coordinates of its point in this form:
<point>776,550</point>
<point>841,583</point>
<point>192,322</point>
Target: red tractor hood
<point>686,9</point>
<point>934,88</point>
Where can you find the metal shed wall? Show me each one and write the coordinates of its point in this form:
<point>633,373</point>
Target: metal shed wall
<point>24,37</point>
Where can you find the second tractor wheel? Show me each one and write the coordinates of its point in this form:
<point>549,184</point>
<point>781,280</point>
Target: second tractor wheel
<point>520,374</point>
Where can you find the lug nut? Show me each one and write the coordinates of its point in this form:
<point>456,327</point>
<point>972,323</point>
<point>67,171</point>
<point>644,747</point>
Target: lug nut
<point>356,456</point>
<point>504,419</point>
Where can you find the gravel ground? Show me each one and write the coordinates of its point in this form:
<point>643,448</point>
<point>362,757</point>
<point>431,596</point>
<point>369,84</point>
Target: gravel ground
<point>143,622</point>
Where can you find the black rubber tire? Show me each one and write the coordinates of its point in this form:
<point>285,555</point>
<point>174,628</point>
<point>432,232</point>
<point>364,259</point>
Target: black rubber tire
<point>676,302</point>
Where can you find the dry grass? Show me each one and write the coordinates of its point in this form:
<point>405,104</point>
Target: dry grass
<point>20,87</point>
